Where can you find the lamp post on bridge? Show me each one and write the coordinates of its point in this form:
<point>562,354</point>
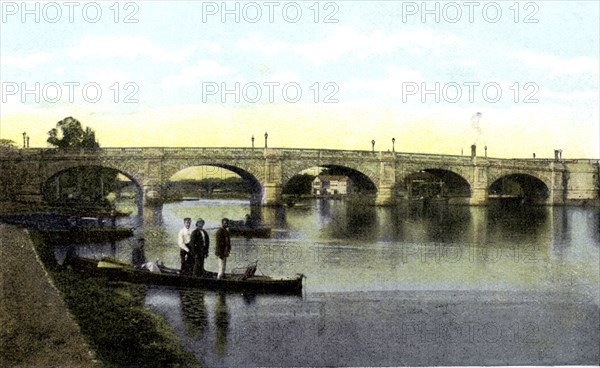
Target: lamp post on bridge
<point>24,138</point>
<point>373,145</point>
<point>393,144</point>
<point>27,141</point>
<point>252,141</point>
<point>485,149</point>
<point>266,137</point>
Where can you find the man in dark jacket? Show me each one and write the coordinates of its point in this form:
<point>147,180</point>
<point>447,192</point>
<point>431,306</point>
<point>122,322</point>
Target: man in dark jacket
<point>138,256</point>
<point>199,243</point>
<point>223,247</point>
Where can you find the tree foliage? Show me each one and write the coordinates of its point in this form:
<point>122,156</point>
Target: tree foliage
<point>299,184</point>
<point>86,185</point>
<point>7,143</point>
<point>70,134</point>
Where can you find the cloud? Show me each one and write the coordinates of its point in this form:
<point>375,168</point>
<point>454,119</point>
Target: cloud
<point>108,77</point>
<point>257,43</point>
<point>389,86</point>
<point>202,69</point>
<point>556,65</point>
<point>26,61</point>
<point>105,47</point>
<point>347,41</point>
<point>574,96</point>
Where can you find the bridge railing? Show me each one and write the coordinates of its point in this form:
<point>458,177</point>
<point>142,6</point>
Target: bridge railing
<point>297,152</point>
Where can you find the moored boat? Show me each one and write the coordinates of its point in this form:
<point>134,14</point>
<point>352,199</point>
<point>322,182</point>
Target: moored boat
<point>91,212</point>
<point>248,229</point>
<point>169,277</point>
<point>250,232</point>
<point>85,234</point>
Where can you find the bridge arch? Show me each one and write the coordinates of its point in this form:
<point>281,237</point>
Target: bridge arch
<point>252,182</point>
<point>526,187</point>
<point>434,181</point>
<point>124,167</point>
<point>51,179</point>
<point>362,180</point>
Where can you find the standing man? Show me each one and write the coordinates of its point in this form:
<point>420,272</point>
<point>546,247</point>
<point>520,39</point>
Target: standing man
<point>199,243</point>
<point>183,240</point>
<point>138,256</point>
<point>223,247</point>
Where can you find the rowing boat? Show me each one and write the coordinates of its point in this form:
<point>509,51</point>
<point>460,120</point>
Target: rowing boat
<point>91,212</point>
<point>250,232</point>
<point>169,277</point>
<point>247,230</point>
<point>86,234</point>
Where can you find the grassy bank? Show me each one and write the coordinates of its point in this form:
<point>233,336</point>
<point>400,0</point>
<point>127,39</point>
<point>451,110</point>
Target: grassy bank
<point>112,316</point>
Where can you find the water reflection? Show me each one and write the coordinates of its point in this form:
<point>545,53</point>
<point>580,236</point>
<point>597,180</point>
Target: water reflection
<point>508,268</point>
<point>434,222</point>
<point>347,220</point>
<point>221,323</point>
<point>193,312</point>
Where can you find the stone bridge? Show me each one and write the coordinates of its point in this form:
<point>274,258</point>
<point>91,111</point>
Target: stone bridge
<point>471,179</point>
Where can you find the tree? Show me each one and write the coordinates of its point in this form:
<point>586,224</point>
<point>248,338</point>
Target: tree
<point>7,143</point>
<point>85,185</point>
<point>299,184</point>
<point>70,134</point>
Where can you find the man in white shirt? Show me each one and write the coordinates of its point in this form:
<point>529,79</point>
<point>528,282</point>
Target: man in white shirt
<point>183,240</point>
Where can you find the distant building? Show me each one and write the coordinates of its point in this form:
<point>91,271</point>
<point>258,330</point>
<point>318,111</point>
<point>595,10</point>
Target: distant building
<point>324,185</point>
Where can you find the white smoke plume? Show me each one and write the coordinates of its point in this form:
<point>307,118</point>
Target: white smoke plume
<point>476,127</point>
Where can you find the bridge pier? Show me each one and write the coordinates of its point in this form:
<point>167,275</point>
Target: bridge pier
<point>26,180</point>
<point>151,215</point>
<point>479,197</point>
<point>558,188</point>
<point>479,186</point>
<point>151,195</point>
<point>386,196</point>
<point>271,195</point>
<point>273,183</point>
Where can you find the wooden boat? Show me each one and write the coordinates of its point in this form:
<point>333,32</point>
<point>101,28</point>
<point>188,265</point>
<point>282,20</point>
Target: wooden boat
<point>85,234</point>
<point>250,232</point>
<point>240,229</point>
<point>118,271</point>
<point>91,212</point>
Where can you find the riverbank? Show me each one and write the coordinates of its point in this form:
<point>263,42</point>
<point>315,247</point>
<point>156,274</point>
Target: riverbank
<point>112,317</point>
<point>52,317</point>
<point>37,327</point>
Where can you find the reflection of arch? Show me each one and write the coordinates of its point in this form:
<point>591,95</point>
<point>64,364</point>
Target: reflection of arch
<point>359,179</point>
<point>517,185</point>
<point>252,183</point>
<point>442,182</point>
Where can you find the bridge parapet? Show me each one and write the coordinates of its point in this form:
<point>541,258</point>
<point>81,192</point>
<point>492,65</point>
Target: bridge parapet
<point>25,170</point>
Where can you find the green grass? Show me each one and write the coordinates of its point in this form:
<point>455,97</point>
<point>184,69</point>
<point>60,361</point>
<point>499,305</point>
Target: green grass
<point>114,321</point>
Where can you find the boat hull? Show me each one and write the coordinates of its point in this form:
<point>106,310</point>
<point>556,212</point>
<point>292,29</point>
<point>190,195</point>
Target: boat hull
<point>86,235</point>
<point>246,232</point>
<point>231,282</point>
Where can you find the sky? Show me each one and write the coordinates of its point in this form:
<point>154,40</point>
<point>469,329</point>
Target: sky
<point>516,77</point>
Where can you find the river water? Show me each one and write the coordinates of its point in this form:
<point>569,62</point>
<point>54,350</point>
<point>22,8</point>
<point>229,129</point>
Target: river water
<point>409,285</point>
